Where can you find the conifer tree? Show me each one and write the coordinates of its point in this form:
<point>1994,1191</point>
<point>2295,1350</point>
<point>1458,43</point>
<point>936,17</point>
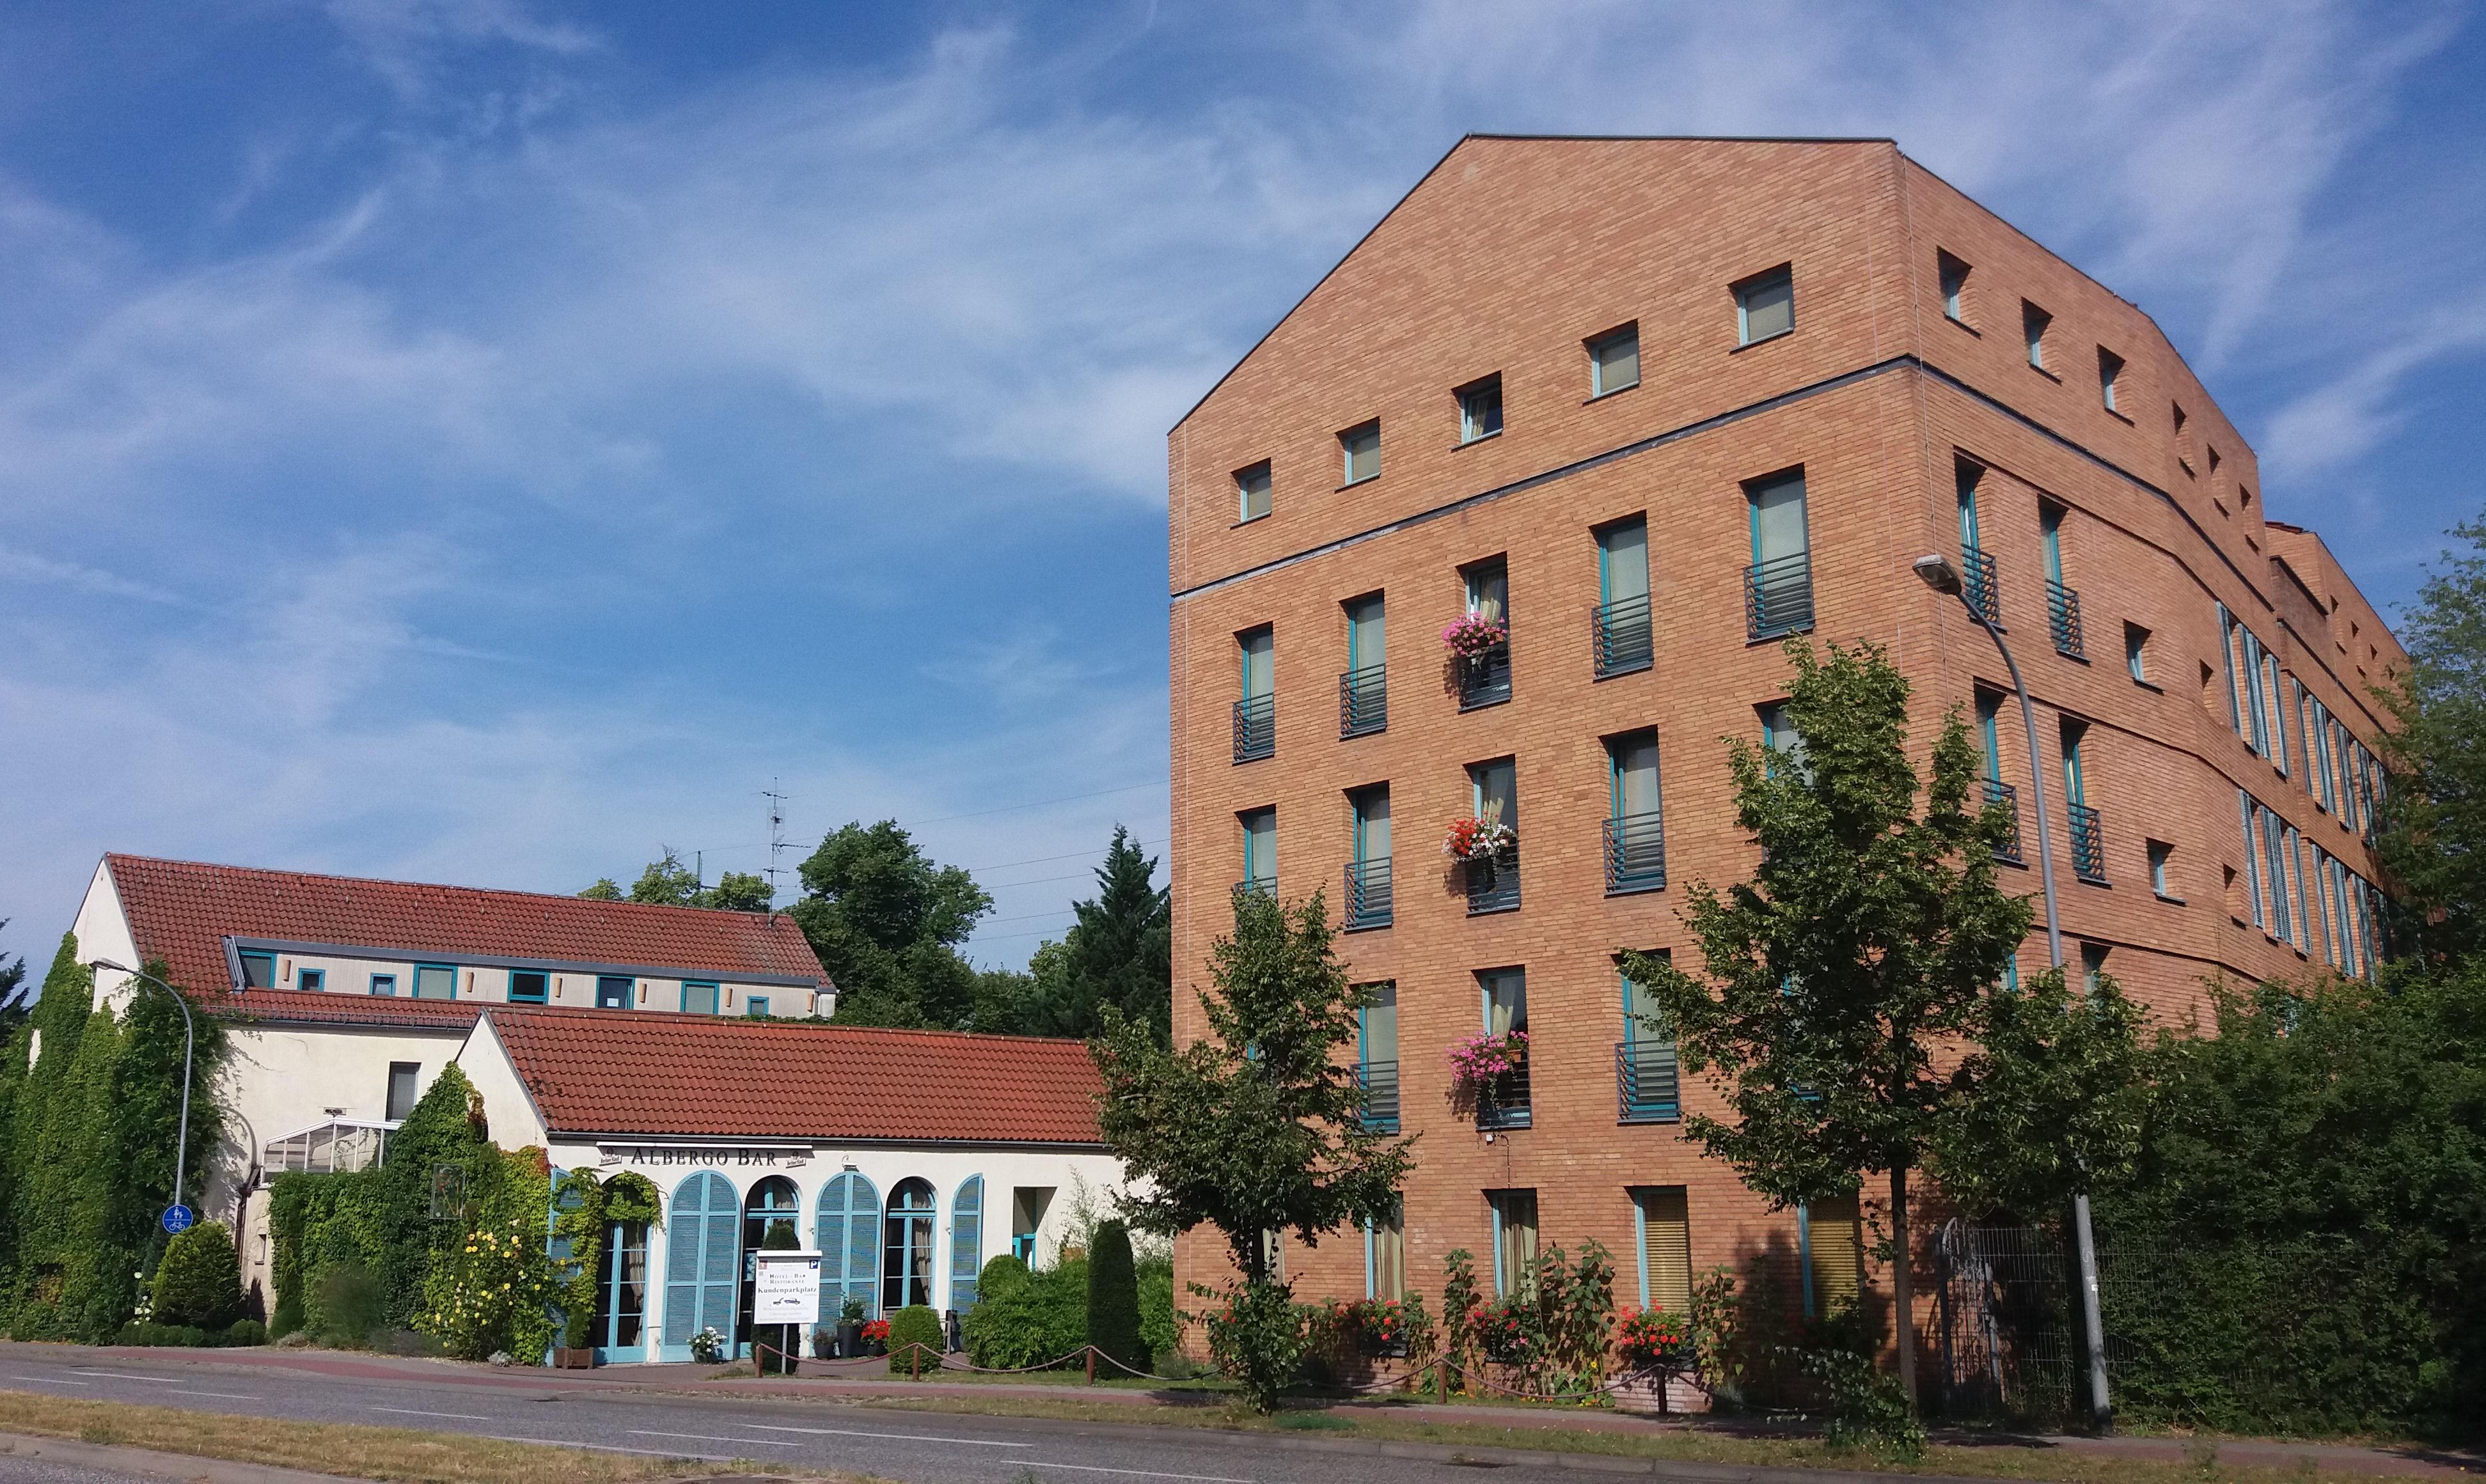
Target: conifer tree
<point>1120,952</point>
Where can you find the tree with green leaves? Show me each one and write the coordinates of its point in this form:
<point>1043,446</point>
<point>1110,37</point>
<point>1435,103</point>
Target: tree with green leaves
<point>14,1004</point>
<point>1118,953</point>
<point>2433,844</point>
<point>886,922</point>
<point>1258,1130</point>
<point>2048,1103</point>
<point>670,883</point>
<point>1860,952</point>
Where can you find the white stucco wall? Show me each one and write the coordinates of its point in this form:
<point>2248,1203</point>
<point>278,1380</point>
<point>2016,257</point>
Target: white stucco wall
<point>103,931</point>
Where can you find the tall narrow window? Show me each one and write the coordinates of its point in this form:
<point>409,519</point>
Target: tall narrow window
<point>907,1247</point>
<point>1260,850</point>
<point>1613,361</point>
<point>1664,1215</point>
<point>1830,1234</point>
<point>1252,491</point>
<point>2088,831</point>
<point>1777,586</point>
<point>1955,284</point>
<point>1765,306</point>
<point>1493,793</point>
<point>1368,875</point>
<point>1360,452</point>
<point>2246,810</point>
<point>1256,711</point>
<point>1780,740</point>
<point>2063,601</point>
<point>2093,968</point>
<point>1385,1255</point>
<point>404,1086</point>
<point>2135,651</point>
<point>1480,408</point>
<point>1503,1101</point>
<point>2161,854</point>
<point>1647,1078</point>
<point>2110,372</point>
<point>1998,793</point>
<point>1484,677</point>
<point>1977,577</point>
<point>2272,689</point>
<point>1621,622</point>
<point>1363,690</point>
<point>2274,848</point>
<point>2032,329</point>
<point>1376,1049</point>
<point>1515,1242</point>
<point>1635,818</point>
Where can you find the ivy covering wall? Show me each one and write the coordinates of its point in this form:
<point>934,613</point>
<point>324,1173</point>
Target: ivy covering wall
<point>89,1102</point>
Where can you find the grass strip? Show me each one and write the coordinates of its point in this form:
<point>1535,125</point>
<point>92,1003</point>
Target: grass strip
<point>2200,1465</point>
<point>349,1448</point>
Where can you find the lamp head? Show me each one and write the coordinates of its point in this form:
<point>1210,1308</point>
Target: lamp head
<point>105,963</point>
<point>1938,573</point>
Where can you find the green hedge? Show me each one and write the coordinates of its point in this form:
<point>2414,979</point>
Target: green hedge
<point>1026,1318</point>
<point>914,1325</point>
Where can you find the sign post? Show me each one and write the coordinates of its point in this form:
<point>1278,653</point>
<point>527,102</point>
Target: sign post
<point>786,1291</point>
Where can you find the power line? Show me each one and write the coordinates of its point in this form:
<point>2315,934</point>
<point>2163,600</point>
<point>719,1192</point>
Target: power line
<point>1068,798</point>
<point>1140,845</point>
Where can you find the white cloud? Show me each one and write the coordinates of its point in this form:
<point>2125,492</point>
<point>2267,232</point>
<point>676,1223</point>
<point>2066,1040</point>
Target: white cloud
<point>27,566</point>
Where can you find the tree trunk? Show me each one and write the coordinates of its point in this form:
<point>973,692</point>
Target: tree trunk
<point>1904,1325</point>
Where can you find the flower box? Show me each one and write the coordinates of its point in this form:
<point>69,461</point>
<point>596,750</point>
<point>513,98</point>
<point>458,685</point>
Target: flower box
<point>1473,636</point>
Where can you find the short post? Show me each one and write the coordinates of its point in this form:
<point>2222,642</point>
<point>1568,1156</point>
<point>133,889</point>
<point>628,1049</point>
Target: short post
<point>1091,1366</point>
<point>914,1359</point>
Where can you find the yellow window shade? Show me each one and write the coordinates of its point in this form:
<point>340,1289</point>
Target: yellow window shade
<point>1837,1248</point>
<point>1666,1247</point>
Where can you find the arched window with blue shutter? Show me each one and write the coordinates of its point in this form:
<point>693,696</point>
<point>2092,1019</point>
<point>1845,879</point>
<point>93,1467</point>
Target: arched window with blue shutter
<point>966,1242</point>
<point>849,1241</point>
<point>702,1251</point>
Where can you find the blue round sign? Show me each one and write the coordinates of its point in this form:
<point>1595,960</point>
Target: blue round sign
<point>179,1218</point>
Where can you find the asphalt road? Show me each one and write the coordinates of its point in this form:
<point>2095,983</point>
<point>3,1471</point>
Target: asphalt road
<point>920,1447</point>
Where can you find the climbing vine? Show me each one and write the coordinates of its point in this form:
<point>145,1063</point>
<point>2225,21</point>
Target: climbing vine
<point>584,1209</point>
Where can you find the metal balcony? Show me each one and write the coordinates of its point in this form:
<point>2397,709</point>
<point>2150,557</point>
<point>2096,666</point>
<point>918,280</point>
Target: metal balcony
<point>1634,853</point>
<point>1777,595</point>
<point>1618,636</point>
<point>1367,894</point>
<point>1647,1087</point>
<point>1493,883</point>
<point>1502,1102</point>
<point>2089,843</point>
<point>1262,886</point>
<point>1255,728</point>
<point>2007,848</point>
<point>1980,586</point>
<point>2064,619</point>
<point>1362,703</point>
<point>1379,1081</point>
<point>1484,680</point>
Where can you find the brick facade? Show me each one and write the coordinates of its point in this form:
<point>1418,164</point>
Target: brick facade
<point>1507,259</point>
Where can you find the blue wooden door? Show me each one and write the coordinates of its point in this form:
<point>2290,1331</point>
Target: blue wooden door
<point>966,1242</point>
<point>848,1231</point>
<point>700,1258</point>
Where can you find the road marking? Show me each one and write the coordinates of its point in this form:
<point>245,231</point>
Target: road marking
<point>50,1381</point>
<point>848,1432</point>
<point>1146,1474</point>
<point>766,1443</point>
<point>408,1412</point>
<point>152,1381</point>
<point>231,1396</point>
<point>607,1447</point>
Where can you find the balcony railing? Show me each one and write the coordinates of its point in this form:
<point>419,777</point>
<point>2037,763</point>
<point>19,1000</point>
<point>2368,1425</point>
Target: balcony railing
<point>1255,728</point>
<point>1502,1102</point>
<point>2064,619</point>
<point>1484,680</point>
<point>1263,886</point>
<point>1777,595</point>
<point>1618,636</point>
<point>1493,883</point>
<point>1980,586</point>
<point>1362,703</point>
<point>1647,1087</point>
<point>1367,894</point>
<point>2089,843</point>
<point>1379,1081</point>
<point>1634,853</point>
<point>2007,848</point>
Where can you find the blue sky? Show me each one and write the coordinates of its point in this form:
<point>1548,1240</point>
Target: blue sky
<point>485,440</point>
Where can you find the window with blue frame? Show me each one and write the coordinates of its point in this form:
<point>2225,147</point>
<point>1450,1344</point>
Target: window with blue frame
<point>847,1229</point>
<point>622,1288</point>
<point>966,1242</point>
<point>1370,900</point>
<point>1625,639</point>
<point>1765,305</point>
<point>613,992</point>
<point>311,979</point>
<point>1385,1254</point>
<point>1514,1241</point>
<point>384,984</point>
<point>907,1247</point>
<point>1260,827</point>
<point>1646,1081</point>
<point>1252,491</point>
<point>701,1261</point>
<point>529,986</point>
<point>1830,1241</point>
<point>772,1206</point>
<point>1480,408</point>
<point>435,981</point>
<point>1664,1215</point>
<point>1780,740</point>
<point>755,1006</point>
<point>1376,1046</point>
<point>1635,843</point>
<point>1614,360</point>
<point>258,971</point>
<point>1778,586</point>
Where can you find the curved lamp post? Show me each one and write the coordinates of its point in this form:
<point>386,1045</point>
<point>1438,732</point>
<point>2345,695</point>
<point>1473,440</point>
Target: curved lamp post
<point>1940,575</point>
<point>189,1044</point>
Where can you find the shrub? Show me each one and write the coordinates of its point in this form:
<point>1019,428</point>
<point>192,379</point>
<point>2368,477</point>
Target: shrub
<point>199,1281</point>
<point>1257,1338</point>
<point>1114,1298</point>
<point>1863,1406</point>
<point>486,1293</point>
<point>351,1304</point>
<point>1159,1330</point>
<point>142,1333</point>
<point>245,1332</point>
<point>1032,1320</point>
<point>914,1325</point>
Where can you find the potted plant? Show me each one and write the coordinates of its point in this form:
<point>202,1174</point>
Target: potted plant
<point>1473,636</point>
<point>1478,1061</point>
<point>876,1336</point>
<point>576,1351</point>
<point>707,1347</point>
<point>850,1326</point>
<point>1653,1339</point>
<point>1480,838</point>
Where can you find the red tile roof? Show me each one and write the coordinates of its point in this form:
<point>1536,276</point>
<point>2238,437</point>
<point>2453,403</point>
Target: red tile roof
<point>654,1075</point>
<point>181,910</point>
<point>296,1007</point>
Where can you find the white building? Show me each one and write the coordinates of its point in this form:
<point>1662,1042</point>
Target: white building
<point>618,1036</point>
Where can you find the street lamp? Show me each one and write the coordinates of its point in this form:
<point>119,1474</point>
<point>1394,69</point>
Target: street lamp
<point>1940,575</point>
<point>189,1045</point>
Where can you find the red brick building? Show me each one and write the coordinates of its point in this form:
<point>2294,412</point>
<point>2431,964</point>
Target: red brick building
<point>1651,405</point>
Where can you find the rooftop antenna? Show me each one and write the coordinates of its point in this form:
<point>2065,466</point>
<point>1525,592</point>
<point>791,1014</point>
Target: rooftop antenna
<point>776,837</point>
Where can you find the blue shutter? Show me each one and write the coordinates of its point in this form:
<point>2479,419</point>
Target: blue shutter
<point>847,1225</point>
<point>721,1260</point>
<point>966,1242</point>
<point>687,1264</point>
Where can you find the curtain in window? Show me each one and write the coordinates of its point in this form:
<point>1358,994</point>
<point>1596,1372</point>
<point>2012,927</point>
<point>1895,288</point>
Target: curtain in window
<point>1506,999</point>
<point>1384,1274</point>
<point>1380,1025</point>
<point>1260,845</point>
<point>1489,592</point>
<point>1778,520</point>
<point>1258,649</point>
<point>1514,1253</point>
<point>1635,777</point>
<point>1664,1249</point>
<point>1622,560</point>
<point>1363,633</point>
<point>1494,788</point>
<point>1373,825</point>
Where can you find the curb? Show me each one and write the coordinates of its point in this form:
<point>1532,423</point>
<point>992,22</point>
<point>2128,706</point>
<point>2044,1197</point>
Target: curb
<point>170,1465</point>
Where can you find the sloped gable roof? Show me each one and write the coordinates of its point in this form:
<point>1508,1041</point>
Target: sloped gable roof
<point>650,1074</point>
<point>181,911</point>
